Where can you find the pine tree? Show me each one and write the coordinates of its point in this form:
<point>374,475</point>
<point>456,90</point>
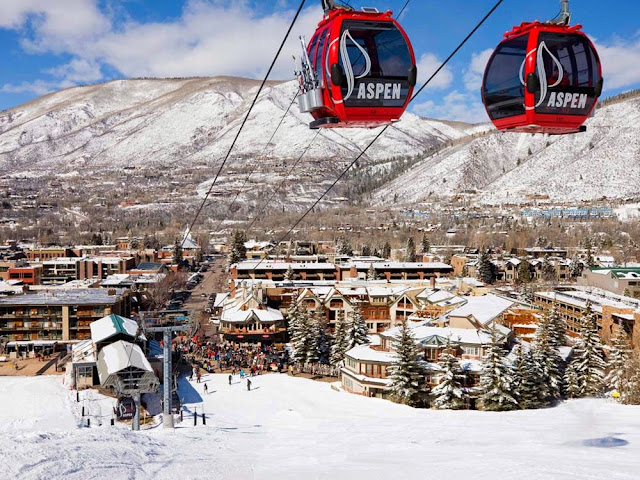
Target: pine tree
<point>450,392</point>
<point>302,340</point>
<point>524,271</point>
<point>238,250</point>
<point>572,382</point>
<point>407,373</point>
<point>548,270</point>
<point>294,315</point>
<point>619,358</point>
<point>496,381</point>
<point>320,343</point>
<point>371,273</point>
<point>588,357</point>
<point>557,327</point>
<point>177,253</point>
<point>340,342</point>
<point>588,246</point>
<point>425,244</point>
<point>288,275</point>
<point>410,251</point>
<point>343,247</point>
<point>527,380</point>
<point>547,357</point>
<point>365,251</point>
<point>576,267</point>
<point>357,331</point>
<point>386,251</point>
<point>627,292</point>
<point>486,269</point>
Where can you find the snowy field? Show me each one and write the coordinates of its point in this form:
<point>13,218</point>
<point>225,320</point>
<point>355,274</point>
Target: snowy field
<point>292,428</point>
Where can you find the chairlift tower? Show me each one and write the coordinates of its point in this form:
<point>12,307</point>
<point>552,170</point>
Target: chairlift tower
<point>167,416</point>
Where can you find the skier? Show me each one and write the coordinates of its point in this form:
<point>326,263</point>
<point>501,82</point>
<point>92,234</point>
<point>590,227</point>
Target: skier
<point>206,389</point>
<point>230,378</point>
<point>248,385</point>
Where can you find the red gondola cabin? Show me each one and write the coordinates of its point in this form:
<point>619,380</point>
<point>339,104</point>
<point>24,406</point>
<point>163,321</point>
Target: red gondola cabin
<point>542,78</point>
<point>359,70</point>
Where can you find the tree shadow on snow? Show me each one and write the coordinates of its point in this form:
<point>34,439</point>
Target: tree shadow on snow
<point>605,442</point>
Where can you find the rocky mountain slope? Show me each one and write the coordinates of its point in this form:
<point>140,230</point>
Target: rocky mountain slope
<point>505,167</point>
<point>177,124</point>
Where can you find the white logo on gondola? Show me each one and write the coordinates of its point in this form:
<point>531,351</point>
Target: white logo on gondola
<point>559,99</point>
<point>366,91</point>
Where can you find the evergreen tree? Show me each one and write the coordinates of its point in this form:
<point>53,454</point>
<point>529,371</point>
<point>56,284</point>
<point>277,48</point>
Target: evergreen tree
<point>527,380</point>
<point>450,393</point>
<point>343,247</point>
<point>588,357</point>
<point>177,253</point>
<point>524,271</point>
<point>576,267</point>
<point>425,244</point>
<point>320,342</point>
<point>496,380</point>
<point>357,331</point>
<point>588,246</point>
<point>365,251</point>
<point>386,251</point>
<point>550,336</point>
<point>548,270</point>
<point>410,251</point>
<point>619,358</point>
<point>572,382</point>
<point>486,269</point>
<point>147,241</point>
<point>371,273</point>
<point>134,244</point>
<point>294,315</point>
<point>340,342</point>
<point>238,250</point>
<point>407,373</point>
<point>557,327</point>
<point>627,292</point>
<point>288,275</point>
<point>302,339</point>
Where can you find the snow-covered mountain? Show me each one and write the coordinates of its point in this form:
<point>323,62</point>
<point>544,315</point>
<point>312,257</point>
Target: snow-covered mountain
<point>175,124</point>
<point>179,122</point>
<point>603,162</point>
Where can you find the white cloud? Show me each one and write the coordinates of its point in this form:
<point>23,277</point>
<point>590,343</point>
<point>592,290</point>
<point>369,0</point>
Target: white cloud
<point>475,72</point>
<point>427,65</point>
<point>196,44</point>
<point>620,60</point>
<point>463,107</point>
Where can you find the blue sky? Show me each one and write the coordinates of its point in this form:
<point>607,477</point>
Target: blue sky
<point>53,44</point>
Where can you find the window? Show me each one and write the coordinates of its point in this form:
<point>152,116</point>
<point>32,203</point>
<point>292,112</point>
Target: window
<point>579,74</point>
<point>472,351</point>
<point>390,63</point>
<point>503,91</point>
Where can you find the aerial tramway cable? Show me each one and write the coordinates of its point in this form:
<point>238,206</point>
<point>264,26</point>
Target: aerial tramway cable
<point>255,164</point>
<point>264,81</point>
<point>344,172</point>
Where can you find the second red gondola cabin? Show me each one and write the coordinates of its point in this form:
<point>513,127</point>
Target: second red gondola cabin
<point>542,78</point>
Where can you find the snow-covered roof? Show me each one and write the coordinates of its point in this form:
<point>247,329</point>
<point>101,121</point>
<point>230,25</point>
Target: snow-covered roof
<point>597,297</point>
<point>484,309</point>
<point>120,355</point>
<point>364,353</point>
<point>112,325</point>
<point>60,296</point>
<point>83,352</point>
<point>283,266</point>
<point>266,315</point>
<point>219,300</point>
<point>396,265</point>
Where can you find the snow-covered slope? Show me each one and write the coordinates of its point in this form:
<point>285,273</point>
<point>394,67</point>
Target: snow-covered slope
<point>291,428</point>
<point>508,167</point>
<point>181,122</point>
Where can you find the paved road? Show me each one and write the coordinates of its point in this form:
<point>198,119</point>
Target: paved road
<point>215,281</point>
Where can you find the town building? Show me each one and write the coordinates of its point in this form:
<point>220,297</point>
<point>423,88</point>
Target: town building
<point>617,280</point>
<point>59,314</point>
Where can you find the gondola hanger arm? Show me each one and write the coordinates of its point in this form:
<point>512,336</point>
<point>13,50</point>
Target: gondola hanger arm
<point>564,17</point>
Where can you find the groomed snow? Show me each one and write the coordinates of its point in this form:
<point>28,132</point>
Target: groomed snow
<point>291,428</point>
